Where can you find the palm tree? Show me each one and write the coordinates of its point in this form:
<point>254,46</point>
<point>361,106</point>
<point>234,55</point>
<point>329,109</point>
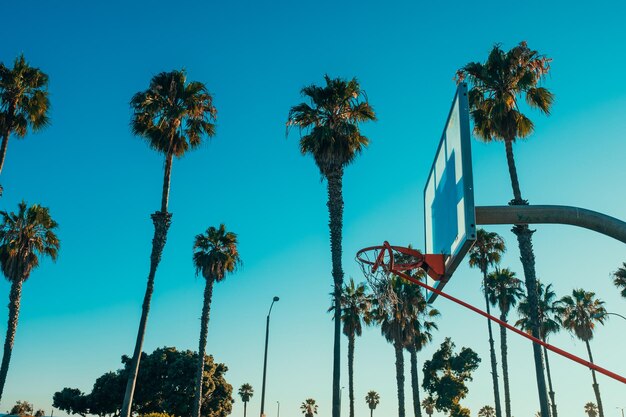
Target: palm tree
<point>486,411</point>
<point>308,407</point>
<point>579,314</point>
<point>549,323</point>
<point>429,406</point>
<point>25,237</point>
<point>329,127</point>
<point>372,399</point>
<point>620,279</point>
<point>245,392</point>
<point>487,252</point>
<point>23,102</point>
<point>591,409</point>
<point>214,255</point>
<point>496,87</point>
<point>355,306</point>
<point>172,115</point>
<point>505,291</point>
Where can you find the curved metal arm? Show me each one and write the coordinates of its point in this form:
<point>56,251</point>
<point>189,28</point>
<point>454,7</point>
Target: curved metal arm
<point>575,216</point>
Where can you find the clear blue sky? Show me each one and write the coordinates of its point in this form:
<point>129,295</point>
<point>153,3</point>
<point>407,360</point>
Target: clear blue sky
<point>81,314</point>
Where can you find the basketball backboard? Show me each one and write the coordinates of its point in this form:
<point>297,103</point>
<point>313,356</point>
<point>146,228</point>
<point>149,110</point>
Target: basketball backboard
<point>449,213</point>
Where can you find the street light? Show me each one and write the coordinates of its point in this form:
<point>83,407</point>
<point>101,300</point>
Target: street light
<point>267,335</point>
<point>278,412</point>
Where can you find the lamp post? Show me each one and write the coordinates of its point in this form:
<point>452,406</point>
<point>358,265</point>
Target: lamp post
<point>267,335</point>
<point>278,412</point>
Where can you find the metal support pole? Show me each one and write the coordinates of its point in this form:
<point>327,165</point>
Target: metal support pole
<point>267,335</point>
<point>575,216</point>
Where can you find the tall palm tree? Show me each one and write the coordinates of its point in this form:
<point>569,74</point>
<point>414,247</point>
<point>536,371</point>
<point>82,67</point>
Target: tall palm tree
<point>429,406</point>
<point>372,399</point>
<point>486,411</point>
<point>245,392</point>
<point>25,237</point>
<point>173,116</point>
<point>579,314</point>
<point>619,279</point>
<point>308,407</point>
<point>497,86</point>
<point>23,101</point>
<point>549,323</point>
<point>329,127</point>
<point>355,308</point>
<point>505,291</point>
<point>591,409</point>
<point>214,255</point>
<point>487,252</point>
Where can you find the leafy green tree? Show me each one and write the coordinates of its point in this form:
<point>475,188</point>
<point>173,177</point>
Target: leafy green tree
<point>329,127</point>
<point>308,407</point>
<point>445,376</point>
<point>505,291</point>
<point>591,409</point>
<point>372,399</point>
<point>40,413</point>
<point>23,102</point>
<point>214,255</point>
<point>619,279</point>
<point>487,411</point>
<point>22,408</point>
<point>428,404</point>
<point>355,308</point>
<point>549,323</point>
<point>173,116</point>
<point>487,252</point>
<point>580,313</point>
<point>165,384</point>
<point>497,86</point>
<point>245,392</point>
<point>25,237</point>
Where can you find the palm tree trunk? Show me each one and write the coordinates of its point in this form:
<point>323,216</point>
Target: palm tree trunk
<point>551,390</point>
<point>351,372</point>
<point>417,411</point>
<point>371,412</point>
<point>492,351</point>
<point>505,367</point>
<point>527,256</point>
<point>335,211</point>
<point>161,222</point>
<point>167,175</point>
<point>15,297</point>
<point>5,139</point>
<point>596,387</point>
<point>204,329</point>
<point>400,377</point>
<point>245,406</point>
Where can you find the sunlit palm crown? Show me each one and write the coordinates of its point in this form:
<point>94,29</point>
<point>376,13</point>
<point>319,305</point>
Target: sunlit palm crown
<point>619,279</point>
<point>580,312</point>
<point>395,320</point>
<point>548,306</point>
<point>24,237</point>
<point>173,113</point>
<point>505,289</point>
<point>329,123</point>
<point>355,308</point>
<point>24,90</point>
<point>496,86</point>
<point>487,250</point>
<point>215,253</point>
<point>373,399</point>
<point>246,392</point>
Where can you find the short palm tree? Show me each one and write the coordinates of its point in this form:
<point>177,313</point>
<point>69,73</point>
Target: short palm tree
<point>214,255</point>
<point>23,101</point>
<point>372,399</point>
<point>329,127</point>
<point>497,87</point>
<point>308,407</point>
<point>619,279</point>
<point>429,406</point>
<point>487,411</point>
<point>245,392</point>
<point>487,252</point>
<point>173,116</point>
<point>25,238</point>
<point>591,409</point>
<point>504,291</point>
<point>549,322</point>
<point>580,313</point>
<point>355,308</point>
